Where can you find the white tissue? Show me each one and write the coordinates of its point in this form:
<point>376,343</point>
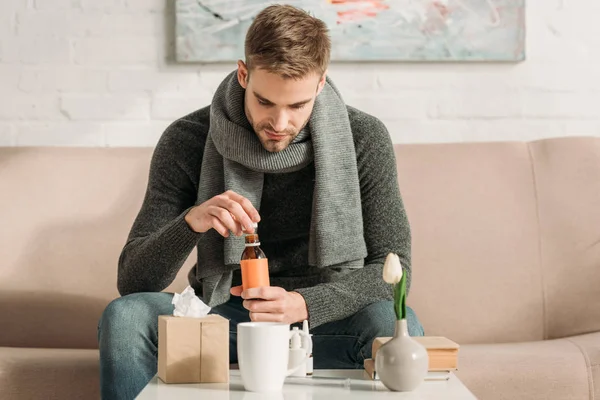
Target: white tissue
<point>187,304</point>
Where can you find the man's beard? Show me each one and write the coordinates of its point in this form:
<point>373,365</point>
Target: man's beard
<point>272,145</point>
<point>275,146</point>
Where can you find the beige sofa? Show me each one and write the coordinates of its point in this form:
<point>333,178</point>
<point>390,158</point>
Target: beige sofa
<point>506,260</point>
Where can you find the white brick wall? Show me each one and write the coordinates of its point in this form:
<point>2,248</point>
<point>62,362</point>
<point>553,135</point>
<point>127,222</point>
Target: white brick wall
<point>95,73</point>
<point>7,135</point>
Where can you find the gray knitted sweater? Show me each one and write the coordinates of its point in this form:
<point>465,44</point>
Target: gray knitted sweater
<point>160,240</point>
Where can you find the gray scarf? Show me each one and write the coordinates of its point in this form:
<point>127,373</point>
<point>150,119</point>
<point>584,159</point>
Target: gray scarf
<point>234,159</point>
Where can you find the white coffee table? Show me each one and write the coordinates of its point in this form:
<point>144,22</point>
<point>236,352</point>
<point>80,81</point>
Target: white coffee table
<point>324,385</point>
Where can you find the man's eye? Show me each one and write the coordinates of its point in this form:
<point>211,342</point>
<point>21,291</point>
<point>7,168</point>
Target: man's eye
<point>300,107</point>
<point>263,103</point>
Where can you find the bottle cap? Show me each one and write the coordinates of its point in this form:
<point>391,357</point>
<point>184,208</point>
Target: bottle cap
<point>305,326</point>
<point>254,225</point>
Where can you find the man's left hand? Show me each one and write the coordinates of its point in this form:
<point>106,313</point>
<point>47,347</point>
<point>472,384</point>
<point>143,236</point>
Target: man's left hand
<point>273,304</point>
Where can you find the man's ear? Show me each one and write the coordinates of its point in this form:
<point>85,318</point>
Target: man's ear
<point>242,74</point>
<point>321,83</point>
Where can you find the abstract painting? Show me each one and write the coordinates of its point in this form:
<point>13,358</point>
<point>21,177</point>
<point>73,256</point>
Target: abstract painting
<point>366,30</point>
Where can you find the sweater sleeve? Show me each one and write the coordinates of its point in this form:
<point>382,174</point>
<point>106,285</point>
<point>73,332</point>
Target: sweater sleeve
<point>386,230</point>
<point>160,239</point>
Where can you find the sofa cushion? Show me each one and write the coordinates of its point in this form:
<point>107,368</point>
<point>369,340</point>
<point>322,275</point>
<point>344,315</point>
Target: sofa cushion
<point>551,369</point>
<point>472,212</point>
<point>590,348</point>
<point>506,237</point>
<point>567,180</point>
<point>67,213</point>
<point>47,319</point>
<point>48,374</point>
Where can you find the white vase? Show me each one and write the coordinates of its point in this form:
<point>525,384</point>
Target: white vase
<point>402,362</point>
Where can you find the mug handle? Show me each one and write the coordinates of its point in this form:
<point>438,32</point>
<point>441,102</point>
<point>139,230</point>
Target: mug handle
<point>308,351</point>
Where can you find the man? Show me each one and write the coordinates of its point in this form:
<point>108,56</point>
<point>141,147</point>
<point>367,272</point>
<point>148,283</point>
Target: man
<point>277,146</point>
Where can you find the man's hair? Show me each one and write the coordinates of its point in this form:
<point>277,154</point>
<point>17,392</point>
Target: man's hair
<point>289,42</point>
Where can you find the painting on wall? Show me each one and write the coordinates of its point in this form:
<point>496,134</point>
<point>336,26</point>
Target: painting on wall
<point>366,30</point>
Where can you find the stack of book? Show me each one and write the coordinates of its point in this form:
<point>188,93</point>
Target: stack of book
<point>442,353</point>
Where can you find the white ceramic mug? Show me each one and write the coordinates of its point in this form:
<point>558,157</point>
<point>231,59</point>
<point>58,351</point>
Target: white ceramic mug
<point>263,353</point>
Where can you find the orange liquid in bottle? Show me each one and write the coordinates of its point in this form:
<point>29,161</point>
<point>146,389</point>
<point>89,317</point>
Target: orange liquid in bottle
<point>254,264</point>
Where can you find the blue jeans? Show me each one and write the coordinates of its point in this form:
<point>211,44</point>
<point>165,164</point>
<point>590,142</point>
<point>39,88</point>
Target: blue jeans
<point>128,338</point>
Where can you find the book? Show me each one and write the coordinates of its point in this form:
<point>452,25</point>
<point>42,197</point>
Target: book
<point>369,365</point>
<point>442,352</point>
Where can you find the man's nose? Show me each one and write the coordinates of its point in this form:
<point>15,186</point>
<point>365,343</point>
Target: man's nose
<point>280,121</point>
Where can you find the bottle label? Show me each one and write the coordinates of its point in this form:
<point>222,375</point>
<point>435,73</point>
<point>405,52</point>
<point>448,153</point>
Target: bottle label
<point>255,273</point>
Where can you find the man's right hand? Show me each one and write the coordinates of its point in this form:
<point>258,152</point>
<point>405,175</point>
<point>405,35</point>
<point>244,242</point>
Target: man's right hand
<point>224,213</point>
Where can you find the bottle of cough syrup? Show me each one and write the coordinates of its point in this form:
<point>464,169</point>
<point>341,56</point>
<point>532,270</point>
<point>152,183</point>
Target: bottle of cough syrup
<point>254,263</point>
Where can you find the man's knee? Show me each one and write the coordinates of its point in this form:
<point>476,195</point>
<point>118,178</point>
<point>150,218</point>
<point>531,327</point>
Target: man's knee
<point>379,320</point>
<point>414,325</point>
<point>134,312</point>
<point>376,320</point>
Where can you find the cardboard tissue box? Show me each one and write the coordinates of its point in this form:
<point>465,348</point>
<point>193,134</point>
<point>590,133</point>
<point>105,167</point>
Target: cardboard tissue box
<point>193,347</point>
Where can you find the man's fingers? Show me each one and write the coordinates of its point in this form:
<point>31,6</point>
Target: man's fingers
<point>236,290</point>
<point>263,292</point>
<point>219,227</point>
<point>266,317</point>
<point>224,217</point>
<point>245,204</point>
<point>264,306</point>
<point>238,213</point>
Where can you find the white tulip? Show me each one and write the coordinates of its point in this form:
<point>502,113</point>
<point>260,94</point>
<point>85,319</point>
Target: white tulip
<point>392,269</point>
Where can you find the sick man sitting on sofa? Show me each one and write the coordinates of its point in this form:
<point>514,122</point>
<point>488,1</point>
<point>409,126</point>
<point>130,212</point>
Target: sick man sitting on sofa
<point>277,146</point>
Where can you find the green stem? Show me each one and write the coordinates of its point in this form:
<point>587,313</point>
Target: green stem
<point>400,298</point>
<point>403,305</point>
<point>397,303</point>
